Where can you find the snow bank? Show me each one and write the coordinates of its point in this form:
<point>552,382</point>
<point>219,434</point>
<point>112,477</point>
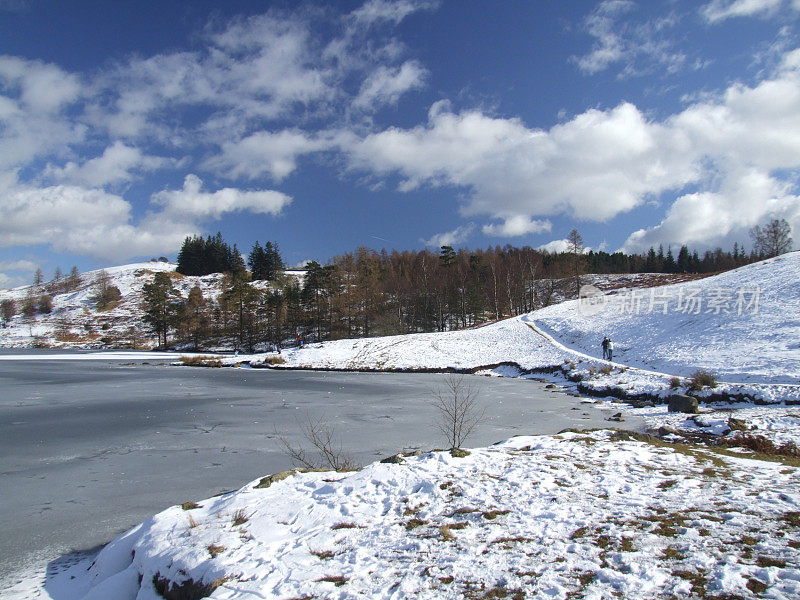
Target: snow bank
<point>594,515</point>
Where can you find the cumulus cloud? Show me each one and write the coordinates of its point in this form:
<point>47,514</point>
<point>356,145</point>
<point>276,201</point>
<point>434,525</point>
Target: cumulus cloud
<point>386,84</point>
<point>115,165</point>
<point>517,225</point>
<point>457,236</point>
<point>720,10</point>
<point>747,198</point>
<point>33,98</point>
<point>594,167</point>
<point>18,265</point>
<point>193,202</point>
<point>603,163</point>
<point>265,152</point>
<point>93,222</point>
<point>42,87</point>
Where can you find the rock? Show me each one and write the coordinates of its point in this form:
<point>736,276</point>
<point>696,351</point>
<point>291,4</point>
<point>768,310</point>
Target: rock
<point>459,453</point>
<point>269,480</point>
<point>683,404</point>
<point>395,459</point>
<point>550,386</point>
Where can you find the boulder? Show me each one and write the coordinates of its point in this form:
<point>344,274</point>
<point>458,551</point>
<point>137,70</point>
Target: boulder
<point>683,404</point>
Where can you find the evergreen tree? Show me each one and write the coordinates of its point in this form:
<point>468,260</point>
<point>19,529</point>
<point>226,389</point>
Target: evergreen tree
<point>669,262</point>
<point>256,261</point>
<point>161,301</point>
<point>683,264</point>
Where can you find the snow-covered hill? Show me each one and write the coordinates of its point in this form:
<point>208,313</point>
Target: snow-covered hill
<point>591,515</point>
<point>754,349</point>
<point>742,325</point>
<point>75,321</point>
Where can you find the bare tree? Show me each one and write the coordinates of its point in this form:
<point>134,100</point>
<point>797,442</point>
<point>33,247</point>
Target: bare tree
<point>327,452</point>
<point>457,408</point>
<point>774,239</point>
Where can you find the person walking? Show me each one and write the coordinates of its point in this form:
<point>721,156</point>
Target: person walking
<point>605,347</point>
<point>610,349</point>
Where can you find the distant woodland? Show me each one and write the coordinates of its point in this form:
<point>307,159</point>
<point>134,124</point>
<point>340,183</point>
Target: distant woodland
<point>369,292</point>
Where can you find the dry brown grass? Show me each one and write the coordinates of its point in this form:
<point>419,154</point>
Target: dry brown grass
<point>201,361</point>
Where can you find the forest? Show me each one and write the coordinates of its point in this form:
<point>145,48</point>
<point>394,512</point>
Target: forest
<point>369,293</point>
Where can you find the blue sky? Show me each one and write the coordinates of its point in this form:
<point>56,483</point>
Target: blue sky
<point>125,126</point>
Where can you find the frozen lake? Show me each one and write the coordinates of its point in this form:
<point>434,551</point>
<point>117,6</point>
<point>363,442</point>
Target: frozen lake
<point>91,448</point>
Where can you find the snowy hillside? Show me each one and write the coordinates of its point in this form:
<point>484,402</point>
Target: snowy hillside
<point>593,515</point>
<point>75,321</point>
<point>754,349</point>
<point>742,325</point>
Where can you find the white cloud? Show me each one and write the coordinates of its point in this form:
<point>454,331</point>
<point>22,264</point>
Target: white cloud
<point>192,202</point>
<point>555,246</point>
<point>560,246</point>
<point>30,215</point>
<point>94,222</point>
<point>18,265</point>
<point>42,87</point>
<point>637,46</point>
<point>451,238</point>
<point>35,97</point>
<point>386,84</point>
<point>594,167</point>
<point>115,165</point>
<point>603,163</point>
<point>702,219</point>
<point>719,10</point>
<point>393,11</point>
<point>517,225</point>
<point>265,152</point>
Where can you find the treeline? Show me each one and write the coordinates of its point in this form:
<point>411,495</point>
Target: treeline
<point>369,293</point>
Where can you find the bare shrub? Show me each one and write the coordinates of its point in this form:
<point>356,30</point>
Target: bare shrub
<point>458,409</point>
<point>327,451</point>
<point>674,382</point>
<point>274,360</point>
<point>701,379</point>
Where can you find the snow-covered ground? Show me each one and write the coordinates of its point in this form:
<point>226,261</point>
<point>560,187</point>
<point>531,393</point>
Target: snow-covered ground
<point>593,514</point>
<point>590,515</point>
<point>742,325</point>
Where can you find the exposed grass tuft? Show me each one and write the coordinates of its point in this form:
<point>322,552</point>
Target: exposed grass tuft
<point>322,554</point>
<point>240,517</point>
<point>215,549</point>
<point>346,526</point>
<point>187,590</point>
<point>190,505</point>
<point>201,361</point>
<point>414,523</point>
<point>493,514</point>
<point>756,586</point>
<point>337,580</point>
<point>766,561</point>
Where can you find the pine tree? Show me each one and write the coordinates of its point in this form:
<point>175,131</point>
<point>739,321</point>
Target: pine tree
<point>160,304</point>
